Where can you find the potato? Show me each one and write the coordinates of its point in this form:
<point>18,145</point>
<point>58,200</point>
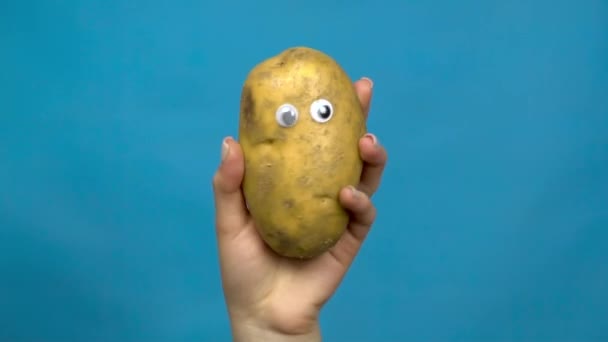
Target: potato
<point>299,127</point>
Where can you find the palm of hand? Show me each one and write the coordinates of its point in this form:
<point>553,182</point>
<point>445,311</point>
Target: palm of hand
<point>286,292</point>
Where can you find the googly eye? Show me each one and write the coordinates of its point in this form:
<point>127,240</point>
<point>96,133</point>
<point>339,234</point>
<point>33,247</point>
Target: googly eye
<point>287,115</point>
<point>321,110</point>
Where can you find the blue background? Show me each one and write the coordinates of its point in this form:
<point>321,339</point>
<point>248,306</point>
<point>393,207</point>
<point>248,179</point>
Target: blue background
<point>493,214</point>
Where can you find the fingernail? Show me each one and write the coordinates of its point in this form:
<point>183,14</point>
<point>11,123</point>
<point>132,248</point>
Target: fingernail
<point>372,138</point>
<point>354,191</point>
<point>369,80</point>
<point>225,148</point>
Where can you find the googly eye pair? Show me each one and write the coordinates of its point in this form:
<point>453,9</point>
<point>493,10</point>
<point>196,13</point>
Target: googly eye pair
<point>321,111</point>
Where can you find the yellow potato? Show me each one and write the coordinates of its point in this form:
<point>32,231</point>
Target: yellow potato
<point>300,125</point>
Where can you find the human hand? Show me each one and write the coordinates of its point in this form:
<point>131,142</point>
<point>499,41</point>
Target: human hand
<point>270,297</point>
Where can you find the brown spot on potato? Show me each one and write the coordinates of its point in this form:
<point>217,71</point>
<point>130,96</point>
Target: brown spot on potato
<point>289,203</point>
<point>264,75</point>
<point>304,181</point>
<point>285,242</point>
<point>300,54</point>
<point>269,105</point>
<point>247,105</point>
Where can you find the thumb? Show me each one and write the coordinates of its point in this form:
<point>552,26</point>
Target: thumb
<point>230,210</point>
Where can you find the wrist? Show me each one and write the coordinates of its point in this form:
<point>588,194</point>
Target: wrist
<point>250,331</point>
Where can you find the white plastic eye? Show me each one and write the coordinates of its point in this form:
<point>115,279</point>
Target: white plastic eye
<point>321,110</point>
<point>287,115</point>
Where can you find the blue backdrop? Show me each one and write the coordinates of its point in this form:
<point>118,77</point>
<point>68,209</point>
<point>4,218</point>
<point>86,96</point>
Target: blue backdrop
<point>493,214</point>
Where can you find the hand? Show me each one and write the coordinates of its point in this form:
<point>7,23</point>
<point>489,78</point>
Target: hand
<point>270,297</point>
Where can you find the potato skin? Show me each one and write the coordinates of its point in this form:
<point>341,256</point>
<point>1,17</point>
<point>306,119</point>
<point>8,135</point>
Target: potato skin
<point>293,175</point>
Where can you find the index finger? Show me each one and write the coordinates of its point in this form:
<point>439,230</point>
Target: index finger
<point>363,87</point>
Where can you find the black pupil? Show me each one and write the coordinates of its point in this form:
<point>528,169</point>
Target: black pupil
<point>324,111</point>
<point>289,117</point>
